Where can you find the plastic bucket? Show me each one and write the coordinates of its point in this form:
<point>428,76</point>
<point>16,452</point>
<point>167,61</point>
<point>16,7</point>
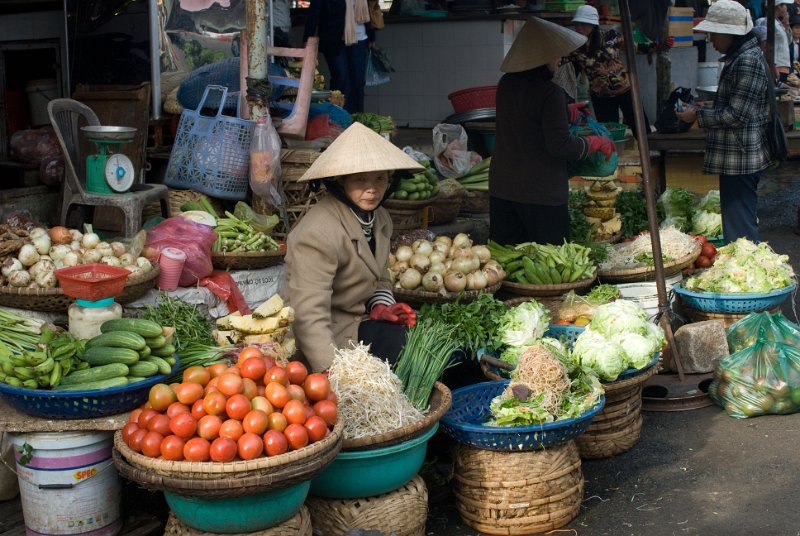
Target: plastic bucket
<point>707,73</point>
<point>646,294</point>
<point>40,92</point>
<point>67,483</point>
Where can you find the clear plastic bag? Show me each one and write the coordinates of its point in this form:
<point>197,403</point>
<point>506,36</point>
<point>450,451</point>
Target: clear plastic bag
<point>192,238</point>
<point>451,156</point>
<point>762,327</point>
<point>265,162</point>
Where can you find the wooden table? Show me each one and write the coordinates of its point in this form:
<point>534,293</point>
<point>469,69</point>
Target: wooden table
<point>694,141</point>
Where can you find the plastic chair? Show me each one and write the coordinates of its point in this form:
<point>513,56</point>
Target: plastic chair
<point>294,124</point>
<point>67,116</point>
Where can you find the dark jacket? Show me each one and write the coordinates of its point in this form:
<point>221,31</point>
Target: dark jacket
<point>532,141</point>
<point>325,19</point>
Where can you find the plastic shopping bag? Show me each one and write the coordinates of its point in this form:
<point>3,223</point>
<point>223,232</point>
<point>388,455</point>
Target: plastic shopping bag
<point>763,326</point>
<point>265,162</point>
<point>376,73</point>
<point>194,239</point>
<point>451,156</point>
<point>594,165</point>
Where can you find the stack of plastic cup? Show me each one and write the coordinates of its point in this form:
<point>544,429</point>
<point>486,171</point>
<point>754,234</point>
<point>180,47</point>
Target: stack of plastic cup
<point>171,263</point>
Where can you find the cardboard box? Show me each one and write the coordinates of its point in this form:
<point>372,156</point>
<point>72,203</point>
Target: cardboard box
<point>680,21</point>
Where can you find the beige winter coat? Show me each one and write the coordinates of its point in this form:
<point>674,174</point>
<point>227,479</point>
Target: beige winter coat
<point>330,275</point>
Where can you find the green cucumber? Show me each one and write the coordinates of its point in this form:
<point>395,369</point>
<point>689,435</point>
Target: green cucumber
<point>143,368</point>
<point>145,352</point>
<point>163,366</point>
<point>145,328</point>
<point>118,339</point>
<point>165,351</point>
<point>134,379</point>
<point>117,381</point>
<point>156,342</point>
<point>103,355</point>
<point>95,374</point>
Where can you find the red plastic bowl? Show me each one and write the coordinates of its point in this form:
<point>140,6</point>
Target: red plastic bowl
<point>92,282</point>
<point>473,98</point>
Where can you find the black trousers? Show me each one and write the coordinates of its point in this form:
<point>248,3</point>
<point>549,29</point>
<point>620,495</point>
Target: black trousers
<point>515,223</point>
<point>607,111</point>
<point>385,339</point>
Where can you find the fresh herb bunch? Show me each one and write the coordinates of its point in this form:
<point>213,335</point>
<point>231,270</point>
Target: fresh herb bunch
<point>633,210</point>
<point>190,325</point>
<point>580,230</point>
<point>477,321</point>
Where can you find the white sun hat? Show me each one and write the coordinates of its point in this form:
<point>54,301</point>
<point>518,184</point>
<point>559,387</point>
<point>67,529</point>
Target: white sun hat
<point>538,43</point>
<point>587,15</point>
<point>359,150</point>
<point>726,17</point>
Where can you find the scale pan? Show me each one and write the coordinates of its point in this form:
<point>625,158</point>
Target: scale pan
<point>103,133</point>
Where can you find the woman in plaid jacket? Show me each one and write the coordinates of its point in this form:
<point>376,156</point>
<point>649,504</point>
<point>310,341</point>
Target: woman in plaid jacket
<point>736,145</point>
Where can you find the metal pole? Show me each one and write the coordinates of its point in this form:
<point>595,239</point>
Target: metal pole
<point>257,59</point>
<point>644,154</point>
<point>155,59</point>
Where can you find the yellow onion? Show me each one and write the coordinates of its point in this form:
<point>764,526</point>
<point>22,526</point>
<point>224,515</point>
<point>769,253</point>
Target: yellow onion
<point>60,235</point>
<point>455,281</point>
<point>410,279</point>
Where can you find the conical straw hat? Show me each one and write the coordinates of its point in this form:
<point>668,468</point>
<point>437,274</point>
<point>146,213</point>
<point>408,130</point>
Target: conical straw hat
<point>538,43</point>
<point>358,150</point>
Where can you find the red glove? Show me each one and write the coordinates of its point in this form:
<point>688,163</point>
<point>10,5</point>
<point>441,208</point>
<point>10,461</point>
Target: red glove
<point>668,43</point>
<point>576,109</point>
<point>602,144</point>
<point>399,313</point>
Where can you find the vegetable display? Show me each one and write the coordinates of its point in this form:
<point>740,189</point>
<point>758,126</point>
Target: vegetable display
<point>217,414</point>
<point>477,320</point>
<point>381,124</point>
<point>638,253</point>
<point>743,266</point>
<point>190,325</point>
<point>518,328</point>
<point>269,323</point>
<point>43,364</point>
<point>580,230</point>
<point>544,264</point>
<point>578,310</point>
<point>677,205</point>
<point>420,185</point>
<point>477,178</point>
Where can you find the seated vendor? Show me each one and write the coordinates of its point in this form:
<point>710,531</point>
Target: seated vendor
<point>337,276</point>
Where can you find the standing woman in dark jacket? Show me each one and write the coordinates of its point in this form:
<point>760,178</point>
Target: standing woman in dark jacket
<point>344,40</point>
<point>736,146</point>
<point>528,180</point>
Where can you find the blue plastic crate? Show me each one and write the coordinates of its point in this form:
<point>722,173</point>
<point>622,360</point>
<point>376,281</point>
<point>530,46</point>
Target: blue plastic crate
<point>470,409</point>
<point>744,302</point>
<point>82,404</point>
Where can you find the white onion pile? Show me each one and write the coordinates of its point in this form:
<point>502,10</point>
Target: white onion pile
<point>444,265</point>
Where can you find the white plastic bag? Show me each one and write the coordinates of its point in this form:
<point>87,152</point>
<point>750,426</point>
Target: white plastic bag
<point>451,156</point>
<point>265,162</point>
<point>416,155</point>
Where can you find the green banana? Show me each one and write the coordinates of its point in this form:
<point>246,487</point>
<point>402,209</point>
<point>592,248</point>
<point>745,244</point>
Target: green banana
<point>45,367</point>
<point>55,375</point>
<point>24,373</point>
<point>30,384</point>
<point>13,381</point>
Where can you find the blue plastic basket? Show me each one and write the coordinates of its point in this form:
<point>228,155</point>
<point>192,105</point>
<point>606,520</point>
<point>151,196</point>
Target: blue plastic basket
<point>632,372</point>
<point>471,408</point>
<point>745,302</point>
<point>566,334</point>
<point>82,404</point>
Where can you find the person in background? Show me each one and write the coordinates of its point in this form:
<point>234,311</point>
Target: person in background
<point>794,9</point>
<point>783,34</point>
<point>528,181</point>
<point>599,60</point>
<point>736,146</point>
<point>344,39</point>
<point>761,33</point>
<point>337,276</point>
<point>794,44</point>
<point>282,22</point>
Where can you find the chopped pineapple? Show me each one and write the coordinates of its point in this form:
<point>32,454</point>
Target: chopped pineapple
<point>226,337</point>
<point>225,321</point>
<point>250,326</point>
<point>276,336</point>
<point>286,316</point>
<point>269,307</point>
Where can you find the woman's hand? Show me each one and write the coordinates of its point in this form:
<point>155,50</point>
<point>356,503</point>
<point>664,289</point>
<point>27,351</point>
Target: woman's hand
<point>576,109</point>
<point>601,144</point>
<point>398,313</point>
<point>688,115</point>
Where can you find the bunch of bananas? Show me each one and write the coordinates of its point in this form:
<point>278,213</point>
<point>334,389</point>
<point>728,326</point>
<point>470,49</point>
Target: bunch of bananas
<point>545,264</point>
<point>44,367</point>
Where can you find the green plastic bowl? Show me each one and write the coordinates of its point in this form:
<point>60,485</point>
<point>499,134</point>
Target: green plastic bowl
<point>366,473</point>
<point>229,515</point>
<point>617,131</point>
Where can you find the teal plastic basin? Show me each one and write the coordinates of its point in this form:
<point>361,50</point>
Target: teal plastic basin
<point>367,473</point>
<point>229,515</point>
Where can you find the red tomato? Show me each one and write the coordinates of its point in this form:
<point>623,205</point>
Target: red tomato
<point>145,416</point>
<point>247,353</point>
<point>222,449</point>
<point>269,362</point>
<point>277,421</point>
<point>197,374</point>
<point>332,397</point>
<point>276,374</point>
<point>708,250</point>
<point>250,446</point>
<point>136,439</point>
<point>277,394</point>
<point>253,368</point>
<point>232,429</point>
<point>211,387</point>
<point>183,425</point>
<point>197,410</point>
<point>214,403</point>
<point>700,238</point>
<point>702,262</point>
<point>297,372</point>
<point>208,427</point>
<point>128,430</point>
<point>229,384</point>
<point>189,392</point>
<point>327,410</point>
<point>151,444</point>
<point>295,412</point>
<point>160,424</point>
<point>256,422</point>
<point>233,369</point>
<point>316,428</point>
<point>317,386</point>
<point>176,407</point>
<point>260,402</point>
<point>172,448</point>
<point>216,369</point>
<point>197,449</point>
<point>161,396</point>
<point>296,392</point>
<point>237,407</point>
<point>275,443</point>
<point>296,435</point>
<point>249,388</point>
<point>134,416</point>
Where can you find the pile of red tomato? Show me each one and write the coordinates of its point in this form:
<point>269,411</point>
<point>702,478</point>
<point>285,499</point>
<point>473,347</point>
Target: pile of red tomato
<point>707,253</point>
<point>224,413</point>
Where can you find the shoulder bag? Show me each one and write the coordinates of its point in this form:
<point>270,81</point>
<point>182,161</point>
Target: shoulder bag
<point>775,134</point>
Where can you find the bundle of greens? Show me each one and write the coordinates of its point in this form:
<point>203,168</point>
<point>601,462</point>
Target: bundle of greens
<point>190,325</point>
<point>678,207</point>
<point>580,230</point>
<point>381,124</point>
<point>633,210</point>
<point>477,320</point>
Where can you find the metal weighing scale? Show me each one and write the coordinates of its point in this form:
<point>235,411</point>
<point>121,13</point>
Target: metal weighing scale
<point>108,172</point>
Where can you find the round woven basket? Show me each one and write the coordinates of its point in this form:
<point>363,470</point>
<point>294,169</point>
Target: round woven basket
<point>536,291</point>
<point>176,199</point>
<point>53,300</point>
<point>645,272</point>
<point>727,319</point>
<point>446,209</point>
<point>401,512</point>
<point>515,493</point>
<point>406,204</point>
<point>298,525</point>
<point>475,203</point>
<point>440,401</point>
<point>248,260</point>
<point>415,298</point>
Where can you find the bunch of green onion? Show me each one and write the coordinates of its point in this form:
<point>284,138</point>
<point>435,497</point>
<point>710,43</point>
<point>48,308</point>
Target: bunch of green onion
<point>18,333</point>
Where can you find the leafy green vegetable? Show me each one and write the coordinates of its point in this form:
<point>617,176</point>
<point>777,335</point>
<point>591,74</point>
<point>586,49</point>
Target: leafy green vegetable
<point>190,325</point>
<point>707,223</point>
<point>522,325</point>
<point>379,123</point>
<point>604,357</point>
<point>633,211</point>
<point>678,206</point>
<point>603,293</point>
<point>580,230</point>
<point>477,320</point>
<point>710,202</point>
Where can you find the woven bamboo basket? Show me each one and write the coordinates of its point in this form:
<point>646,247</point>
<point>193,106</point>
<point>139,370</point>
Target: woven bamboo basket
<point>407,219</point>
<point>647,273</point>
<point>514,493</point>
<point>247,260</point>
<point>298,525</point>
<point>176,199</point>
<point>439,402</point>
<point>401,512</point>
<point>536,291</point>
<point>445,209</point>
<point>727,319</point>
<point>415,298</point>
<point>408,204</point>
<point>475,203</point>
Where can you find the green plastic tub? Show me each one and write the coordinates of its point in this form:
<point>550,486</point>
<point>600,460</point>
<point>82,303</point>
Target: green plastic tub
<point>617,131</point>
<point>230,515</point>
<point>366,473</point>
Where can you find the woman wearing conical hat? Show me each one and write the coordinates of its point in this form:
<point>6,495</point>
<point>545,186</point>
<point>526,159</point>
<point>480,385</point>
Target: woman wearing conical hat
<point>528,181</point>
<point>337,276</point>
